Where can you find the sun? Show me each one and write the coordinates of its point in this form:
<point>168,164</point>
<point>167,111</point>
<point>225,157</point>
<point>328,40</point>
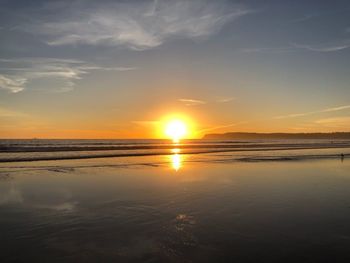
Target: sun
<point>176,126</point>
<point>176,130</point>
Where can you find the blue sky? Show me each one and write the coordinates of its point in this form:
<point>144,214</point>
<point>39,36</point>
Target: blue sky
<point>114,68</point>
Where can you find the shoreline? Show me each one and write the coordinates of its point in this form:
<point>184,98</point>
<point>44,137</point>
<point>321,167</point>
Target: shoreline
<point>116,155</point>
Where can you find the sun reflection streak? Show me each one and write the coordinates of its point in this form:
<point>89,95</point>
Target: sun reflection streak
<point>175,150</point>
<point>176,159</point>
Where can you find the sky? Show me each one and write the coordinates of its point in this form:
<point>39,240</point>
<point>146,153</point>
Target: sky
<point>116,69</point>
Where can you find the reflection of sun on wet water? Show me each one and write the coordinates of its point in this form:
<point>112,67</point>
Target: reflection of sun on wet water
<point>176,159</point>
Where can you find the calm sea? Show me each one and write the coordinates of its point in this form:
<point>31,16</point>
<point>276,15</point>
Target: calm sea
<point>41,149</point>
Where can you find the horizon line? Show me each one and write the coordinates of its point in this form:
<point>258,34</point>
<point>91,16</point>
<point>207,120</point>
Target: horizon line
<point>38,138</point>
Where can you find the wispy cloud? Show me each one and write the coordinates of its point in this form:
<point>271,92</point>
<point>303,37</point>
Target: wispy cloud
<point>196,102</point>
<point>116,68</point>
<point>192,102</point>
<point>138,26</point>
<point>336,122</point>
<point>18,74</point>
<point>293,47</point>
<point>294,115</point>
<point>337,108</point>
<point>12,83</point>
<point>219,127</point>
<point>224,99</point>
<point>332,47</point>
<point>305,18</point>
<point>268,49</point>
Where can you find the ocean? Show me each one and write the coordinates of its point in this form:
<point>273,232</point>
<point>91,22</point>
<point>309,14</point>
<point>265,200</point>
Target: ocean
<point>41,149</point>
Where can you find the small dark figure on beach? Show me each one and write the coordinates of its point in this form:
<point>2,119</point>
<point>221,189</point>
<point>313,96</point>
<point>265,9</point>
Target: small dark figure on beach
<point>342,157</point>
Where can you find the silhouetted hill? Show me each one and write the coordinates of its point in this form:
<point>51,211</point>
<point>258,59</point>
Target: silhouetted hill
<point>253,135</point>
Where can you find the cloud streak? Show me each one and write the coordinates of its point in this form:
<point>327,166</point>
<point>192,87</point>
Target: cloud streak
<point>18,74</point>
<point>138,26</point>
<point>196,102</point>
<point>294,115</point>
<point>293,47</point>
<point>12,83</point>
<point>268,49</point>
<point>335,123</point>
<point>325,47</point>
<point>225,99</point>
<point>222,126</point>
<point>305,18</point>
<point>192,102</point>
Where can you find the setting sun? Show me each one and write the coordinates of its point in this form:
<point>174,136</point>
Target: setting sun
<point>176,130</point>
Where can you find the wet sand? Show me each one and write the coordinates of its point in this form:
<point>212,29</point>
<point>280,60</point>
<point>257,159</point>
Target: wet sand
<point>175,208</point>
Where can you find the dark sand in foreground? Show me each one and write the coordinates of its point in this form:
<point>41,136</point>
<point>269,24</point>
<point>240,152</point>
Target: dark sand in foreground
<point>143,210</point>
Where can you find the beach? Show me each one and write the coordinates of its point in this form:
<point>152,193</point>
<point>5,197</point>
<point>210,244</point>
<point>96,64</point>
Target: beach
<point>223,206</point>
<point>174,131</point>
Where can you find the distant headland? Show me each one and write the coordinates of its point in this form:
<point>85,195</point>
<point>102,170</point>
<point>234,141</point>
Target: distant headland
<point>253,135</point>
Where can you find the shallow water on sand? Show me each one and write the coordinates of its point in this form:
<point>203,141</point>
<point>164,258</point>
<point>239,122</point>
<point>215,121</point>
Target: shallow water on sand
<point>175,208</point>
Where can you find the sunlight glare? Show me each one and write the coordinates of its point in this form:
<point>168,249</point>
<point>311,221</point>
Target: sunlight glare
<point>176,130</point>
<point>176,161</point>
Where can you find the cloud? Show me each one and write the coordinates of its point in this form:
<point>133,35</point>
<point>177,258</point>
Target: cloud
<point>192,102</point>
<point>18,74</point>
<point>325,47</point>
<point>336,122</point>
<point>12,83</point>
<point>305,18</point>
<point>21,72</point>
<point>224,100</point>
<point>293,47</point>
<point>138,26</point>
<point>294,115</point>
<point>118,68</point>
<point>268,49</point>
<point>196,102</point>
<point>337,108</point>
<point>222,126</point>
